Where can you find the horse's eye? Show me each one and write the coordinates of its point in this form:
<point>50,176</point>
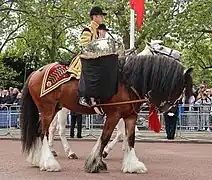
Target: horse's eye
<point>161,48</point>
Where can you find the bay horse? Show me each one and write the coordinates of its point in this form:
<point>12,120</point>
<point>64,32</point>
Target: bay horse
<point>160,78</point>
<point>59,121</point>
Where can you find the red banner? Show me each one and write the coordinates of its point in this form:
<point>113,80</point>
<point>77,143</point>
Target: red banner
<point>138,7</point>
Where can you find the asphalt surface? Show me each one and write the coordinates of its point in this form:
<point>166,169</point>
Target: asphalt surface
<point>175,161</point>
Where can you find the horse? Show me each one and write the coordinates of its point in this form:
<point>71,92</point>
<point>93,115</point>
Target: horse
<point>159,78</point>
<point>59,121</point>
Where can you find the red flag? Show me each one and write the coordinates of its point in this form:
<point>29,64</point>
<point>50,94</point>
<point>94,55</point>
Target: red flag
<point>138,7</point>
<point>154,122</point>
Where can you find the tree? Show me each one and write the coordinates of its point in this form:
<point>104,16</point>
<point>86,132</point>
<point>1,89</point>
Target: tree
<point>10,23</point>
<point>50,29</point>
<point>8,77</point>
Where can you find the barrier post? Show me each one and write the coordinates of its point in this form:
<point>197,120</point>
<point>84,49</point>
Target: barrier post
<point>90,132</point>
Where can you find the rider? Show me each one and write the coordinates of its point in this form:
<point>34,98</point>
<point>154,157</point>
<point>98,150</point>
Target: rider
<point>102,30</point>
<point>91,33</point>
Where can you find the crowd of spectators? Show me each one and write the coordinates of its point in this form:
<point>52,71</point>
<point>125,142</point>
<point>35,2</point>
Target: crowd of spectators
<point>202,95</point>
<point>8,97</point>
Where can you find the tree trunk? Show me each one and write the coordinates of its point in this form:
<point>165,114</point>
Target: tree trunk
<point>126,40</point>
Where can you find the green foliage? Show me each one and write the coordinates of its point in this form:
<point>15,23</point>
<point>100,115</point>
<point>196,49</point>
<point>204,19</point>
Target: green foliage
<point>41,32</point>
<point>8,77</point>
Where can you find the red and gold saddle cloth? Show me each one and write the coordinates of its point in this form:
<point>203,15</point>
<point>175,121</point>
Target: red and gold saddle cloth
<point>54,76</point>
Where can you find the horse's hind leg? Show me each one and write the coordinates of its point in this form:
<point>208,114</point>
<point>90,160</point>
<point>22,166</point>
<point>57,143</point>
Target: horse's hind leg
<point>47,160</point>
<point>131,163</point>
<point>94,161</point>
<point>120,132</point>
<point>52,130</point>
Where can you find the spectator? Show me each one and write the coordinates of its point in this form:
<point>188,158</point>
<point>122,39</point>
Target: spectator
<point>18,99</point>
<point>204,102</point>
<point>171,117</point>
<point>4,99</point>
<point>10,90</point>
<point>5,96</point>
<point>13,95</point>
<point>1,93</point>
<point>76,118</point>
<point>204,99</point>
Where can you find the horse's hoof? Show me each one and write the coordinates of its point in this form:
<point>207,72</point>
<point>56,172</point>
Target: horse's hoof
<point>96,167</point>
<point>103,166</point>
<point>54,153</point>
<point>104,154</point>
<point>73,156</point>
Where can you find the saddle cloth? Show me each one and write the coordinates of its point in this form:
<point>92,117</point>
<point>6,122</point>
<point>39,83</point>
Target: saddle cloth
<point>55,75</point>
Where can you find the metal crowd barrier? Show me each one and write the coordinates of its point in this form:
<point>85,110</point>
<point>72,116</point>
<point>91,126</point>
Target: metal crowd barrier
<point>9,119</point>
<point>191,118</point>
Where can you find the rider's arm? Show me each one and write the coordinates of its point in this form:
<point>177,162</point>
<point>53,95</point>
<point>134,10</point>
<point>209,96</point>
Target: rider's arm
<point>85,37</point>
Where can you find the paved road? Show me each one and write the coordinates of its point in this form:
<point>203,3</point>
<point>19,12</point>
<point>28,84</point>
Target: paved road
<point>164,161</point>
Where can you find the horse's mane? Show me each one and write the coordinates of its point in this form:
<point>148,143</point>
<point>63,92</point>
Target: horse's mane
<point>160,74</point>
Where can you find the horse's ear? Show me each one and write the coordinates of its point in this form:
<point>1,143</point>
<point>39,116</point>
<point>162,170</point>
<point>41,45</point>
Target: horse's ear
<point>188,71</point>
<point>148,43</point>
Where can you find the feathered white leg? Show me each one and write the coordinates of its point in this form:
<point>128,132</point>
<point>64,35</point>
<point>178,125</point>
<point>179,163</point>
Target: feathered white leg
<point>47,160</point>
<point>131,164</point>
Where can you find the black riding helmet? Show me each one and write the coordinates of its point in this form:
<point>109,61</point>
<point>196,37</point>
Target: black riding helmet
<point>96,10</point>
<point>103,27</point>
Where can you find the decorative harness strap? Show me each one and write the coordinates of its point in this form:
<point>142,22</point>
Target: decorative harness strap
<point>121,103</point>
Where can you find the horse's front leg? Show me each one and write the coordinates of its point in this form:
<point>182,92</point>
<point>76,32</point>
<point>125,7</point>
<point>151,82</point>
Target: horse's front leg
<point>131,163</point>
<point>94,161</point>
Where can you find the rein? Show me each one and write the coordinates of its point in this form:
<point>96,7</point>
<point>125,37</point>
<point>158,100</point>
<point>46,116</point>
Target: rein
<point>121,103</point>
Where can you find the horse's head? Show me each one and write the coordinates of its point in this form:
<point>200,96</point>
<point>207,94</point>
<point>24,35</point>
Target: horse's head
<point>155,47</point>
<point>175,96</point>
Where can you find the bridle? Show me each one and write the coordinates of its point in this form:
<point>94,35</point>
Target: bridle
<point>169,102</point>
<point>156,52</point>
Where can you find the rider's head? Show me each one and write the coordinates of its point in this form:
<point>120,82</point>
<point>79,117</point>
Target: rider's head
<point>102,30</point>
<point>97,14</point>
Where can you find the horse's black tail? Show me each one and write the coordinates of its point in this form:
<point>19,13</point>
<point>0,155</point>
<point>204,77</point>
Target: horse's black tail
<point>29,119</point>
